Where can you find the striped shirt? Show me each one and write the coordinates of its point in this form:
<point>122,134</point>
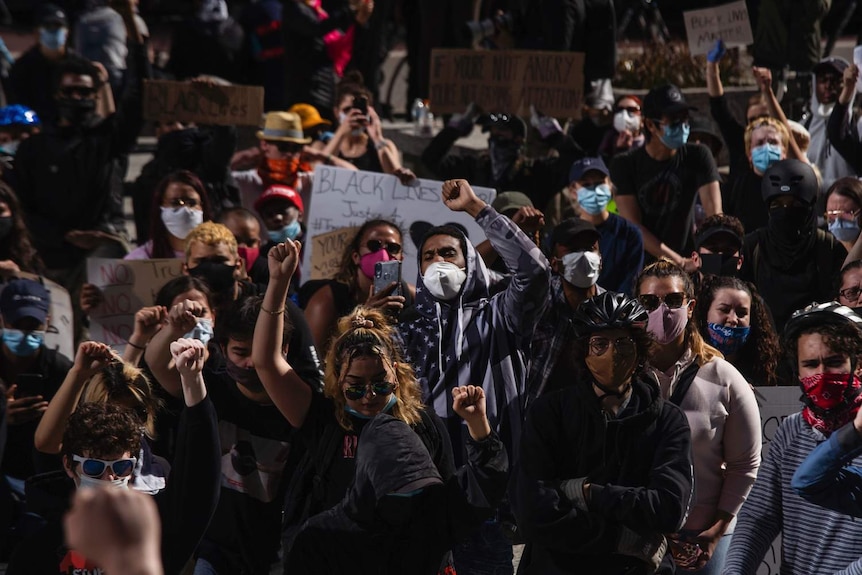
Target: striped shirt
<point>813,539</point>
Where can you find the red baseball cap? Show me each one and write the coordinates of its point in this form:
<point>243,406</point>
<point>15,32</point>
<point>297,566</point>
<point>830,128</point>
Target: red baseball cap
<point>274,192</point>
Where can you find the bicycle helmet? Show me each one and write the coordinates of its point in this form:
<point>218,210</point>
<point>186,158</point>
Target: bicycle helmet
<point>818,314</point>
<point>609,310</point>
<point>18,115</point>
<point>790,177</point>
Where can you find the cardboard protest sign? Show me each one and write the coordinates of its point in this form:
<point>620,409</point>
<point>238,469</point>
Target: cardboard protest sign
<point>729,22</point>
<point>347,198</point>
<point>508,81</point>
<point>127,286</point>
<point>61,329</point>
<point>202,103</point>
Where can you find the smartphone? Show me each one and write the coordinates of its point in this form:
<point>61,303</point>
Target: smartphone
<point>385,273</point>
<point>30,385</point>
<point>361,104</point>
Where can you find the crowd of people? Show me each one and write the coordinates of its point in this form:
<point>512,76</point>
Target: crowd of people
<point>580,386</point>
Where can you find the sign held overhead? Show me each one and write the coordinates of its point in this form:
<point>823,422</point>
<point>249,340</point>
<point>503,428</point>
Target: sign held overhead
<point>166,101</point>
<point>729,22</point>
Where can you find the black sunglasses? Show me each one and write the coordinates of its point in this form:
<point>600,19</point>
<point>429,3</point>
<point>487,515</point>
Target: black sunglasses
<point>376,245</point>
<point>358,391</point>
<point>629,109</point>
<point>672,300</point>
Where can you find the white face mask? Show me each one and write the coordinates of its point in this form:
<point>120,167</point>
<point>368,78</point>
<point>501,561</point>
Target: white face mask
<point>87,482</point>
<point>825,109</point>
<point>444,280</point>
<point>182,220</point>
<point>625,120</point>
<point>581,269</point>
<point>344,118</point>
<point>202,331</point>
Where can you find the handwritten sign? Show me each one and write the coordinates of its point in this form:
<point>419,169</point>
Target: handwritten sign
<point>202,103</point>
<point>508,81</point>
<point>61,331</point>
<point>729,22</point>
<point>347,198</point>
<point>127,286</point>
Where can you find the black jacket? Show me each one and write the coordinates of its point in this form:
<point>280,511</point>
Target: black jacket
<point>638,465</point>
<point>409,532</point>
<point>185,505</point>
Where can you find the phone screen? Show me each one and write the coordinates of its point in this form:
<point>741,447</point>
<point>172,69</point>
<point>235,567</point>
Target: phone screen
<point>361,104</point>
<point>29,385</point>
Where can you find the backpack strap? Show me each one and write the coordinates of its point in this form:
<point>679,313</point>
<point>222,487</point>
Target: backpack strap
<point>684,383</point>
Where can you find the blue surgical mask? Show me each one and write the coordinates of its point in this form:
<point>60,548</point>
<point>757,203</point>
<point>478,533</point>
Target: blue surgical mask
<point>53,39</point>
<point>23,344</point>
<point>202,331</point>
<point>11,147</point>
<point>844,230</point>
<point>764,156</point>
<point>594,199</point>
<point>386,408</point>
<point>728,340</point>
<point>676,135</point>
<point>289,232</point>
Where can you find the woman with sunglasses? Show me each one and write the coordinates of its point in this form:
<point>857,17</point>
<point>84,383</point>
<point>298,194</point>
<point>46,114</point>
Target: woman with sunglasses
<point>326,301</point>
<point>734,319</point>
<point>843,208</point>
<point>627,133</point>
<point>365,375</point>
<point>722,413</point>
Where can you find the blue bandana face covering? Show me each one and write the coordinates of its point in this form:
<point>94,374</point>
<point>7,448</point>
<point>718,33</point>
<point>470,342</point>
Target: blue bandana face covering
<point>728,340</point>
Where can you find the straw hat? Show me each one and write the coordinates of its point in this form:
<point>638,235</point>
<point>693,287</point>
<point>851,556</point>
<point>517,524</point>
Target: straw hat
<point>309,115</point>
<point>282,127</point>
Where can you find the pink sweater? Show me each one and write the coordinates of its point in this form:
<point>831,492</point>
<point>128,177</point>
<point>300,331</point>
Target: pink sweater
<point>725,431</point>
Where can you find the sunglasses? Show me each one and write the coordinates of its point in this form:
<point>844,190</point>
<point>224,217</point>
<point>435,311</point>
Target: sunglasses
<point>288,148</point>
<point>599,345</point>
<point>92,467</point>
<point>629,109</point>
<point>376,245</point>
<point>672,300</point>
<point>357,392</point>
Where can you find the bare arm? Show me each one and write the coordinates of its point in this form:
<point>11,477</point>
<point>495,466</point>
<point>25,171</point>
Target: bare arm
<point>148,320</point>
<point>290,394</point>
<point>764,79</point>
<point>629,209</point>
<point>710,198</point>
<point>181,319</point>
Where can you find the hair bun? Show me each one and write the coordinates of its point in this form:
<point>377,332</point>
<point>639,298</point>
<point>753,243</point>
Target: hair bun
<point>360,322</point>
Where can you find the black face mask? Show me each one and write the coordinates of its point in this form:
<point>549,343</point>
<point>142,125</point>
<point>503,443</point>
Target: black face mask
<point>789,221</point>
<point>246,377</point>
<point>719,264</point>
<point>76,112</point>
<point>218,276</point>
<point>183,148</point>
<point>503,154</point>
<point>5,227</point>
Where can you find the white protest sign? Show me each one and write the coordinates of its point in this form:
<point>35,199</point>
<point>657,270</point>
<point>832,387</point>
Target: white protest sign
<point>61,329</point>
<point>347,198</point>
<point>857,59</point>
<point>127,286</point>
<point>729,22</point>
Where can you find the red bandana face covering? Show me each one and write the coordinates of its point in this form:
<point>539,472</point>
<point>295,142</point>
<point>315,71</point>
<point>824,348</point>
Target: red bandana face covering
<point>826,392</point>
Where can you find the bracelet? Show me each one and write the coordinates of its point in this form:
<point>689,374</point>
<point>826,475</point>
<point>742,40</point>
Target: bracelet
<point>140,347</point>
<point>276,312</point>
<point>381,144</point>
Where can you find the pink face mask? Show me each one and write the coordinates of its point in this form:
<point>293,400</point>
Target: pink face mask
<point>666,324</point>
<point>366,262</point>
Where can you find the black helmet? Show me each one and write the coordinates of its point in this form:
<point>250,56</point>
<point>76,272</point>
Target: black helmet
<point>609,310</point>
<point>790,177</point>
<point>818,314</point>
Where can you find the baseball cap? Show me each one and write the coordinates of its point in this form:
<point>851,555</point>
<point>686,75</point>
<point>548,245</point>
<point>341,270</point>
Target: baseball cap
<point>309,116</point>
<point>569,229</point>
<point>716,232</point>
<point>52,15</point>
<point>511,202</point>
<point>504,121</point>
<point>584,165</point>
<point>666,100</point>
<point>24,298</point>
<point>831,64</point>
<point>275,192</point>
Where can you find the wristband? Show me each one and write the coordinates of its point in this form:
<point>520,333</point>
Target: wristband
<point>381,144</point>
<point>140,347</point>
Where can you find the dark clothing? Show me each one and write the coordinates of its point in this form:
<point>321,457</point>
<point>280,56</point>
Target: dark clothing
<point>843,137</point>
<point>827,476</point>
<point>788,33</point>
<point>50,369</point>
<point>367,162</point>
<point>589,136</point>
<point>70,178</point>
<point>622,247</point>
<point>310,73</point>
<point>211,48</point>
<point>185,505</point>
<point>790,281</point>
<point>261,22</point>
<point>382,506</point>
<point>344,301</point>
<point>732,132</point>
<point>666,191</point>
<point>638,465</point>
<point>539,179</point>
<point>30,83</point>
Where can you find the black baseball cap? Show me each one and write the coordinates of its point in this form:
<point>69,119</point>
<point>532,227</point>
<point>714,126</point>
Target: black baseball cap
<point>584,165</point>
<point>716,232</point>
<point>52,15</point>
<point>569,229</point>
<point>666,100</point>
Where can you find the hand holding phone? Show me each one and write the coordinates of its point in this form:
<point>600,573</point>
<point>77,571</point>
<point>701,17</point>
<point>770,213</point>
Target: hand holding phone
<point>385,273</point>
<point>361,104</point>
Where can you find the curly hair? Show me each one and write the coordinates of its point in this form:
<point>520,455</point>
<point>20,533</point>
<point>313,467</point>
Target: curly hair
<point>17,246</point>
<point>768,122</point>
<point>158,232</point>
<point>101,430</point>
<point>758,358</point>
<point>75,65</point>
<point>347,270</point>
<point>664,268</point>
<point>124,384</point>
<point>843,338</point>
<point>366,332</point>
<point>212,234</point>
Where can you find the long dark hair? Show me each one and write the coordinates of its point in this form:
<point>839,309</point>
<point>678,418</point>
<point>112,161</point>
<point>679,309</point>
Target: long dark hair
<point>158,232</point>
<point>347,270</point>
<point>758,358</point>
<point>17,245</point>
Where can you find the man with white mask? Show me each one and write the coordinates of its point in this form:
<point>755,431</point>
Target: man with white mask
<point>456,334</point>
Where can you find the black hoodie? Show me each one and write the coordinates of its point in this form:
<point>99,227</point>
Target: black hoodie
<point>638,466</point>
<point>400,516</point>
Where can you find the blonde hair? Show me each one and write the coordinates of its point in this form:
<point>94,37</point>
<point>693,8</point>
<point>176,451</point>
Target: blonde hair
<point>124,384</point>
<point>366,332</point>
<point>767,122</point>
<point>664,268</point>
<point>211,234</point>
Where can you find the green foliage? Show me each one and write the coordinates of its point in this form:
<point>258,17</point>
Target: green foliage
<point>654,64</point>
